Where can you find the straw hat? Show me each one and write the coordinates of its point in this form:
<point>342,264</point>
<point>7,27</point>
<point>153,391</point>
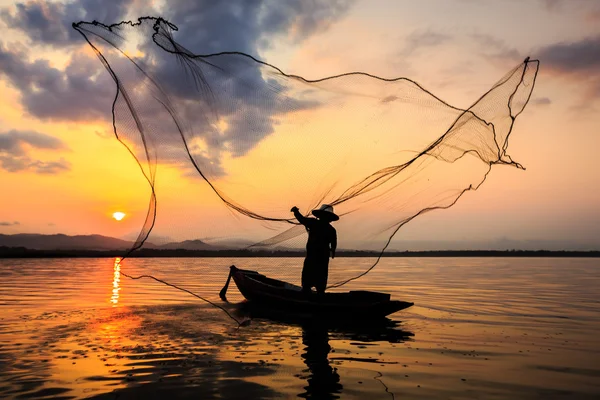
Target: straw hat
<point>326,212</point>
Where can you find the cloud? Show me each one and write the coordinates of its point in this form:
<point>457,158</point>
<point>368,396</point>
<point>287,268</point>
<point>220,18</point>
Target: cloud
<point>83,91</point>
<point>5,223</point>
<point>301,19</point>
<point>46,22</point>
<point>553,5</point>
<point>14,141</point>
<point>252,101</point>
<point>205,27</point>
<point>590,10</point>
<point>541,101</point>
<point>578,61</point>
<point>419,40</point>
<point>14,152</point>
<point>496,49</point>
<point>104,134</point>
<point>427,39</point>
<point>573,57</point>
<point>13,163</point>
<point>247,26</point>
<point>208,25</point>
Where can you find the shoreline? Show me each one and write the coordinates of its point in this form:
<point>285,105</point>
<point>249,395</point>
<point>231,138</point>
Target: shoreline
<point>22,252</point>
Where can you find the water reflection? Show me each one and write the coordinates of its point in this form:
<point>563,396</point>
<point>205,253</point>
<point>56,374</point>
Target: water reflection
<point>114,299</point>
<point>323,380</point>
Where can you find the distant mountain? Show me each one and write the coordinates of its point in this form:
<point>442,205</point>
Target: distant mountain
<point>188,245</point>
<point>237,243</point>
<point>64,242</point>
<point>158,240</point>
<point>232,243</point>
<point>98,242</point>
<point>91,242</point>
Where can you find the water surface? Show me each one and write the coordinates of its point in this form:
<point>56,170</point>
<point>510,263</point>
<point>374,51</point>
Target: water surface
<point>480,328</point>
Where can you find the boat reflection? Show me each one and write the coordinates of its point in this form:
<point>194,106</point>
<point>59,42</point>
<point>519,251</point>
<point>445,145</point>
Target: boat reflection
<point>114,298</point>
<point>323,379</point>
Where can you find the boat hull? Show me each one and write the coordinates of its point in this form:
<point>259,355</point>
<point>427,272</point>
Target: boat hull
<point>275,294</point>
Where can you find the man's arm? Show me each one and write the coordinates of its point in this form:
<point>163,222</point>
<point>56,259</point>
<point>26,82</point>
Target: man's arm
<point>301,218</point>
<point>333,242</point>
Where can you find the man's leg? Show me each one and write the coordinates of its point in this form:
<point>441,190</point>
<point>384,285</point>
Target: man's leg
<point>307,279</point>
<point>322,273</point>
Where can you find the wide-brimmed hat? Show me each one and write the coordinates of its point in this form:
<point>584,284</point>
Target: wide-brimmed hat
<point>326,212</point>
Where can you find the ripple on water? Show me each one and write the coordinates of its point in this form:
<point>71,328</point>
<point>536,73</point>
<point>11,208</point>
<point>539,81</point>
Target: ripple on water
<point>492,328</point>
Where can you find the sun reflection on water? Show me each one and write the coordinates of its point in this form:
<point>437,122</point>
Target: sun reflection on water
<point>114,299</point>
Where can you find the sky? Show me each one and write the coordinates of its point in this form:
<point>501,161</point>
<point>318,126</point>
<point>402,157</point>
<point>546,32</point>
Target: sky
<point>62,171</point>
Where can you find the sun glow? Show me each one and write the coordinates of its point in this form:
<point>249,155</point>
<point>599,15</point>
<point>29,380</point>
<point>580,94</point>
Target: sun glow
<point>118,215</point>
<point>114,299</point>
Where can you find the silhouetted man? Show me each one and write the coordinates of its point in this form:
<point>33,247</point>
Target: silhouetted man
<point>322,241</point>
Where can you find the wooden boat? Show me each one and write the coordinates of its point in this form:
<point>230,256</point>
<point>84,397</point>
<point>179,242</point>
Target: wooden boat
<point>272,293</point>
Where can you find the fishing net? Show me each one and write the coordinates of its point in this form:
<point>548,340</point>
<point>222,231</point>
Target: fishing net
<point>251,141</point>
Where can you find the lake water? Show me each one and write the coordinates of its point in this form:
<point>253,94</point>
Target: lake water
<point>488,328</point>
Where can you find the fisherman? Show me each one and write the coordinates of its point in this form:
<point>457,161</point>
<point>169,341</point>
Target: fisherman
<point>322,241</point>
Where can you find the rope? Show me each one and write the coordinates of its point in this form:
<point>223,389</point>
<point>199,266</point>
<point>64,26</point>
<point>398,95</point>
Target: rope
<point>240,323</point>
<point>387,390</point>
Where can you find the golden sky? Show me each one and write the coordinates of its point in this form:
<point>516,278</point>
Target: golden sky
<point>62,170</point>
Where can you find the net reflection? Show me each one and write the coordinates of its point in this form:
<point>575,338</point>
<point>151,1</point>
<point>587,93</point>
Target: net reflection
<point>116,284</point>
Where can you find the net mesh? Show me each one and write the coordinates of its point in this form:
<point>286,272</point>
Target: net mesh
<point>251,141</point>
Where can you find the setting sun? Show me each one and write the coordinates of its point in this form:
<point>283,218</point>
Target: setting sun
<point>118,215</point>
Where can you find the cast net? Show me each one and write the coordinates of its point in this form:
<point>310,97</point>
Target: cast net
<point>248,142</point>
